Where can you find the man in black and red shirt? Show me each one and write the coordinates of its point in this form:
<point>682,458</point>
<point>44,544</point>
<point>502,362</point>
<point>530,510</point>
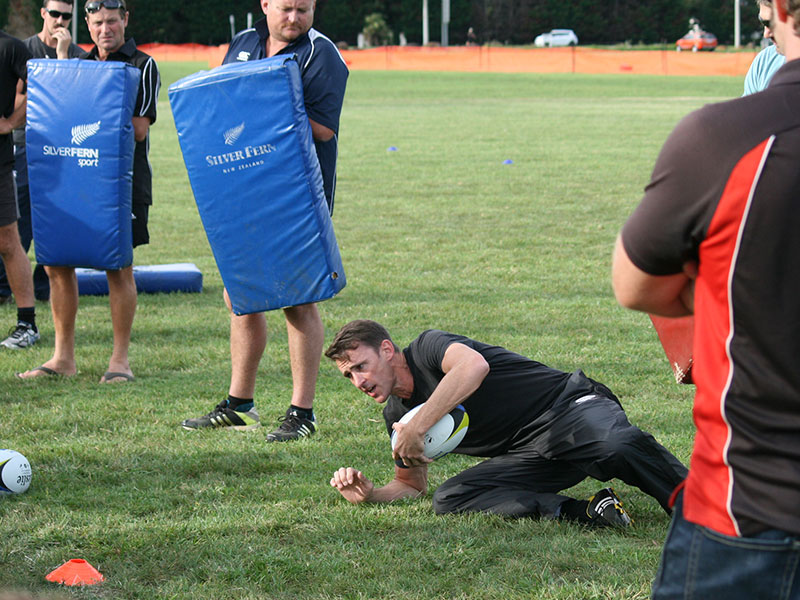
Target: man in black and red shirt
<point>716,235</point>
<point>542,430</point>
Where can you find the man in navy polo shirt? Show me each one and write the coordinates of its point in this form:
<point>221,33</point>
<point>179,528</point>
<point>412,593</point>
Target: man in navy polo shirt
<point>286,30</point>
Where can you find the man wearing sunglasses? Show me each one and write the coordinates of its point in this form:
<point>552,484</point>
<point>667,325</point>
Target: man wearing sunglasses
<point>286,30</point>
<point>53,41</point>
<point>769,60</point>
<point>106,20</point>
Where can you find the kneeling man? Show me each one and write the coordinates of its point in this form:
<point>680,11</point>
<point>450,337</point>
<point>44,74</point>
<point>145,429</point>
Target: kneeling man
<point>543,430</point>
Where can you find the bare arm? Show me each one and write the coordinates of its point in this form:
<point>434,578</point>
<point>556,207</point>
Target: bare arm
<point>320,132</point>
<point>141,125</point>
<point>356,488</point>
<point>665,295</point>
<point>465,369</point>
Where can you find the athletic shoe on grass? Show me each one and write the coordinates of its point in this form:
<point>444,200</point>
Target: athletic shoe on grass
<point>605,509</point>
<point>21,336</point>
<point>292,427</point>
<point>222,416</point>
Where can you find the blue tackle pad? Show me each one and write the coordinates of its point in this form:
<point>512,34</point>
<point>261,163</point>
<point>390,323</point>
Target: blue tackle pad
<point>247,145</point>
<point>80,145</point>
<point>150,279</point>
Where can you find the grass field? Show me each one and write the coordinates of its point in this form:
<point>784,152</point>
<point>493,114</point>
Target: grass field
<point>440,233</point>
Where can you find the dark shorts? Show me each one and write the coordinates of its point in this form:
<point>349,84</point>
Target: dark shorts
<point>9,211</point>
<point>141,236</point>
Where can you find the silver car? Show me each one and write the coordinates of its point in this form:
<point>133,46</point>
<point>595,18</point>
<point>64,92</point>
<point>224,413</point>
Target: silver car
<point>556,37</point>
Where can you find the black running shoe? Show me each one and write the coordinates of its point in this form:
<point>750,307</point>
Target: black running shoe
<point>605,510</point>
<point>292,427</point>
<point>222,416</point>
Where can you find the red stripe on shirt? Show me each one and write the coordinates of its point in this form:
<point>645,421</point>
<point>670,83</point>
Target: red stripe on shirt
<point>710,485</point>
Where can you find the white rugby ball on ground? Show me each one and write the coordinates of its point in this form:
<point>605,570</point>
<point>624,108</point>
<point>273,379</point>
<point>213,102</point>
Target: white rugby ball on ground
<point>15,472</point>
<point>444,436</point>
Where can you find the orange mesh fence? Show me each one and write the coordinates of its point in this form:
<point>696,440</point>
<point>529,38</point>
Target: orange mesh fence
<point>185,52</point>
<point>503,60</point>
<point>549,60</point>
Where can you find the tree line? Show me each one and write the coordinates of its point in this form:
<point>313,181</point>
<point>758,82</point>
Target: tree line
<point>493,21</point>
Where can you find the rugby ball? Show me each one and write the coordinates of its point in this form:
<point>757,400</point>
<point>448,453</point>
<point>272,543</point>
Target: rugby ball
<point>445,435</point>
<point>15,472</point>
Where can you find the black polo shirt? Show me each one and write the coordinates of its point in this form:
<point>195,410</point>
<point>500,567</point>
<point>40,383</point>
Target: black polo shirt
<point>13,59</point>
<point>145,107</point>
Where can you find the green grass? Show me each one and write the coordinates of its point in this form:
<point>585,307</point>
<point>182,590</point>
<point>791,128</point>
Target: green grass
<point>439,233</point>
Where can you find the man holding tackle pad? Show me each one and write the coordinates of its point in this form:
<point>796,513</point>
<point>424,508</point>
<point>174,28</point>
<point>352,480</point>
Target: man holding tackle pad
<point>106,21</point>
<point>286,30</point>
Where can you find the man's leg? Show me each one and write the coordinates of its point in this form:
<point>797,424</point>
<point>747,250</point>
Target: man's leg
<point>18,271</point>
<point>521,484</point>
<point>248,339</point>
<point>18,267</point>
<point>306,335</point>
<point>122,301</point>
<point>64,306</point>
<point>5,287</point>
<point>41,285</point>
<point>19,181</point>
<point>593,434</point>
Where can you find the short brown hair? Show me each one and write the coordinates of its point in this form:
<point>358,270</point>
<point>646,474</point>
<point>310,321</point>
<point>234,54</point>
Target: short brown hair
<point>46,2</point>
<point>355,333</point>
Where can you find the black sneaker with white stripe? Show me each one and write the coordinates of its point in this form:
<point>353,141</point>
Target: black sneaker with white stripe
<point>222,416</point>
<point>293,426</point>
<point>605,510</point>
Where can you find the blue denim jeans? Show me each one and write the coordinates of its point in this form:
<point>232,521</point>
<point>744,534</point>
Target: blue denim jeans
<point>700,564</point>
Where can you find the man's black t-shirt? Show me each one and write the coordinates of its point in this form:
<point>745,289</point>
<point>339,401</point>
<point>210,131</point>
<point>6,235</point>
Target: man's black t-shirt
<point>502,411</point>
<point>13,59</point>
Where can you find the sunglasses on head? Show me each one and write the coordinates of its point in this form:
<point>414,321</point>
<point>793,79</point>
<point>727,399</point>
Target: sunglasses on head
<point>95,5</point>
<point>56,14</point>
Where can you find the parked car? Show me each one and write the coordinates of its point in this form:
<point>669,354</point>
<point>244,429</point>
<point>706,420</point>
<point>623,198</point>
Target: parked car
<point>697,40</point>
<point>556,37</point>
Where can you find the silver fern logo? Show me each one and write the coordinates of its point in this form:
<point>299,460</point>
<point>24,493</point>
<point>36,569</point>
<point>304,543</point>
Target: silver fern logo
<point>81,133</point>
<point>233,134</point>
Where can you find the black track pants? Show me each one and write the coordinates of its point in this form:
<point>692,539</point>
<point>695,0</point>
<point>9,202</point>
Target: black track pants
<point>583,437</point>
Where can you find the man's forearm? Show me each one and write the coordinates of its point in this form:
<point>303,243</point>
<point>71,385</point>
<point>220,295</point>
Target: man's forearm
<point>394,490</point>
<point>667,295</point>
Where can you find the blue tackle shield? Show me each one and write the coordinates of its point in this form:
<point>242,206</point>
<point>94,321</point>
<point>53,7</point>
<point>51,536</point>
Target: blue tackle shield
<point>247,144</point>
<point>80,145</point>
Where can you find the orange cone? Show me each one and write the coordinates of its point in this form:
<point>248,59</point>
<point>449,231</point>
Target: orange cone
<point>75,572</point>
